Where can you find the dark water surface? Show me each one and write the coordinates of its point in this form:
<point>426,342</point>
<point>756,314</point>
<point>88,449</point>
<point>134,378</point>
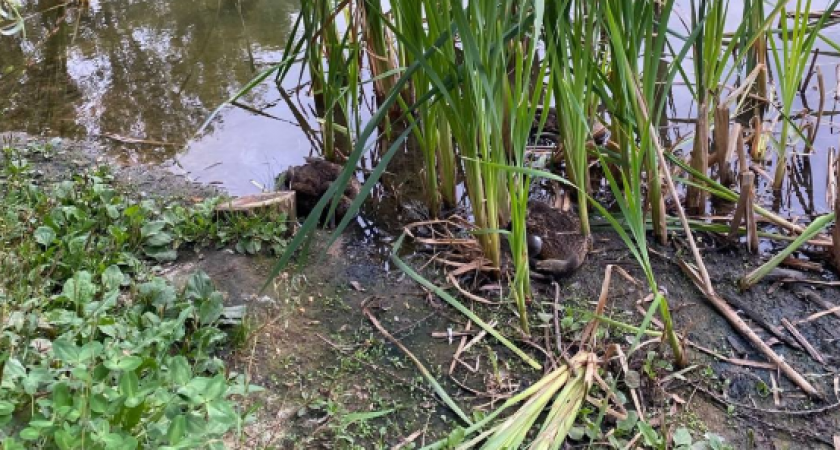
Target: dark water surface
<point>153,70</point>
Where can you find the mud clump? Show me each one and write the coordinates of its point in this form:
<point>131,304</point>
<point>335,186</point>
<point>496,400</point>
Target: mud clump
<point>311,181</point>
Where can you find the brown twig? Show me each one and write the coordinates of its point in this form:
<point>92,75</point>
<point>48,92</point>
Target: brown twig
<point>789,412</point>
<point>732,317</point>
<point>801,339</point>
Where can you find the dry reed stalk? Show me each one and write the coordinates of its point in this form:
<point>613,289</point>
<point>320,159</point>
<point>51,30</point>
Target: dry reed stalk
<point>803,342</point>
<point>831,176</point>
<point>739,146</point>
<point>748,82</point>
<point>747,180</point>
<point>744,212</point>
<point>722,140</point>
<point>696,196</point>
<point>727,177</point>
<point>735,320</point>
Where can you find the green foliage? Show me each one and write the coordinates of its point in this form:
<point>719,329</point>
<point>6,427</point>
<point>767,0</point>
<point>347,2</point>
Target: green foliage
<point>98,352</point>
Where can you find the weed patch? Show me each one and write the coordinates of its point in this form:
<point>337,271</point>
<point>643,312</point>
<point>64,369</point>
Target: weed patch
<point>97,351</point>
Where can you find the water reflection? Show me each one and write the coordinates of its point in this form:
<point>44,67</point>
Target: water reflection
<point>153,70</point>
<point>137,69</point>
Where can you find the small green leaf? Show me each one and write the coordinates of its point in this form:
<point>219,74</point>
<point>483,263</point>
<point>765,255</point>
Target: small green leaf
<point>65,440</point>
<point>65,350</point>
<point>127,363</point>
<point>158,240</point>
<point>61,395</point>
<point>222,416</point>
<point>180,370</point>
<point>90,351</point>
<point>364,416</point>
<point>76,245</point>
<point>161,253</point>
<point>651,437</point>
<point>628,424</point>
<point>152,228</point>
<point>157,292</point>
<point>199,286</point>
<point>79,289</point>
<point>682,437</point>
<point>41,423</point>
<point>112,278</point>
<point>81,373</point>
<point>133,402</point>
<point>216,388</point>
<point>30,434</point>
<point>44,236</point>
<point>211,309</point>
<point>129,384</point>
<point>177,430</point>
<point>6,408</point>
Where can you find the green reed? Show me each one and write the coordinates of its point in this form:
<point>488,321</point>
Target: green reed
<point>466,79</point>
<point>522,90</point>
<point>572,33</point>
<point>333,56</point>
<point>791,50</point>
<point>432,133</point>
<point>636,34</point>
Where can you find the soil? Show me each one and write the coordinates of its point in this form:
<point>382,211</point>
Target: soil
<point>332,381</point>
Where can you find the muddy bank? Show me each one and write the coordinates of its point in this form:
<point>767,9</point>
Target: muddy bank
<point>332,381</point>
<point>56,159</point>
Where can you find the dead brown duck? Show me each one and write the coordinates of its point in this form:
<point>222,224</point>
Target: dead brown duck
<point>555,244</point>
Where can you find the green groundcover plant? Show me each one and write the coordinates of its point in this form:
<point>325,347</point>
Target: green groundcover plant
<point>95,350</point>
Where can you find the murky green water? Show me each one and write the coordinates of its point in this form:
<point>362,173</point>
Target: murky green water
<point>153,70</point>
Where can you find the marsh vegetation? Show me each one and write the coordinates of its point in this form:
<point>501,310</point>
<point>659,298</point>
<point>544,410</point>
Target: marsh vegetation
<point>666,131</point>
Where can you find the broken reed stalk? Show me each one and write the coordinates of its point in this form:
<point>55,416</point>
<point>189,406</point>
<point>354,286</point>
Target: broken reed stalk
<point>734,139</point>
<point>802,341</point>
<point>428,375</point>
<point>722,147</point>
<point>670,334</point>
<point>735,320</point>
<point>672,191</point>
<point>744,212</point>
<point>697,195</point>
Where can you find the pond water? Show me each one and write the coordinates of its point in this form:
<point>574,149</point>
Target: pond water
<point>150,70</point>
<point>122,70</point>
